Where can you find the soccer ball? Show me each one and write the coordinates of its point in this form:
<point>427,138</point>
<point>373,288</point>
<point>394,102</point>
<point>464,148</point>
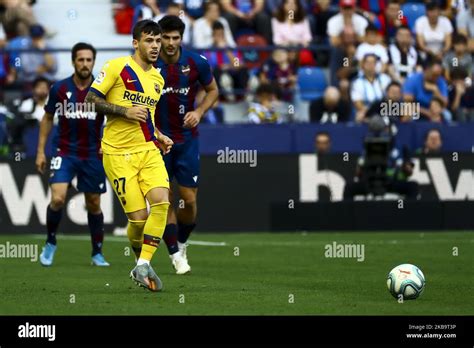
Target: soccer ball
<point>406,280</point>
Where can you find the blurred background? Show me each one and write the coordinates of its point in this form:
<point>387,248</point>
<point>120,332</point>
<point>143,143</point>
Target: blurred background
<point>300,83</point>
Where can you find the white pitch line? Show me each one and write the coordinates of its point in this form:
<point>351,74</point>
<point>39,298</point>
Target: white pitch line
<point>124,239</point>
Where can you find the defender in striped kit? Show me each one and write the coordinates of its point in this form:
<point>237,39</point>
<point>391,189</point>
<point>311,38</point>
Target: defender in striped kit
<point>76,152</point>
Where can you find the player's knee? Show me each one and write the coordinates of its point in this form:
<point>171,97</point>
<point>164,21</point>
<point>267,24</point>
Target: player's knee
<point>57,202</point>
<point>93,204</point>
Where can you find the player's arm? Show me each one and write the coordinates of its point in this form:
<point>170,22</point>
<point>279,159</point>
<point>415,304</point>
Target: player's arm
<point>46,125</point>
<point>164,142</point>
<point>135,113</point>
<point>192,118</point>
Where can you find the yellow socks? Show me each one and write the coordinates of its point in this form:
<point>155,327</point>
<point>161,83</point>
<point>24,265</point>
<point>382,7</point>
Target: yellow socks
<point>135,235</point>
<point>154,229</point>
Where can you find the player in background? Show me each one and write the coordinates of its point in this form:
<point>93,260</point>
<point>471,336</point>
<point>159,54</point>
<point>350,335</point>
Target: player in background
<point>127,90</point>
<point>177,117</point>
<point>76,147</point>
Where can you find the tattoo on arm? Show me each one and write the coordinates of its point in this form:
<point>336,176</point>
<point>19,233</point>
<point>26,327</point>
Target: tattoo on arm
<point>103,107</point>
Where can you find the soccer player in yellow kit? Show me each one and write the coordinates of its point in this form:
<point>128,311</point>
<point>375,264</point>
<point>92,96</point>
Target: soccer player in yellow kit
<point>127,90</point>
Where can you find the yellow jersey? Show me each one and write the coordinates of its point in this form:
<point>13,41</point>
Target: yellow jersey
<point>123,82</point>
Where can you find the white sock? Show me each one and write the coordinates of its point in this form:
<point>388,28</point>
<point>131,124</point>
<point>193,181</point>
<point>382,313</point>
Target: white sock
<point>142,262</point>
<point>181,245</point>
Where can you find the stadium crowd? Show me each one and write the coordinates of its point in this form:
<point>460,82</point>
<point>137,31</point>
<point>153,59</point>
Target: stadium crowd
<point>346,58</point>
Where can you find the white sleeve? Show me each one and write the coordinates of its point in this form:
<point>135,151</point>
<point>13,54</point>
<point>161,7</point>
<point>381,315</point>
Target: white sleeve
<point>334,29</point>
<point>383,54</point>
<point>2,32</point>
<point>357,91</point>
<point>229,38</point>
<point>199,40</point>
<point>419,24</point>
<point>447,26</point>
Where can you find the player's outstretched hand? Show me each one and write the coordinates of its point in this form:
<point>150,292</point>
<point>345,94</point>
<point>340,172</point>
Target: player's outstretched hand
<point>191,119</point>
<point>165,143</point>
<point>40,162</point>
<point>137,113</point>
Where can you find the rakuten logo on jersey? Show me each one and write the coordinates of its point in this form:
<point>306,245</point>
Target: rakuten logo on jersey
<point>184,90</point>
<point>139,98</point>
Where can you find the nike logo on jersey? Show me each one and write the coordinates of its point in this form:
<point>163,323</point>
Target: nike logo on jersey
<point>195,178</point>
<point>130,81</point>
<point>68,94</point>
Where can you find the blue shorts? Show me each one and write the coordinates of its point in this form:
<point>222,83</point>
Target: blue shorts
<point>90,173</point>
<point>182,162</point>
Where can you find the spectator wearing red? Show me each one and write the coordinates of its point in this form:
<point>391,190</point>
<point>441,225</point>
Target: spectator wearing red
<point>390,20</point>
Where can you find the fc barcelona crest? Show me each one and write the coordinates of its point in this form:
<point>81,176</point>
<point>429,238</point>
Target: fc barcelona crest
<point>185,69</point>
<point>157,88</point>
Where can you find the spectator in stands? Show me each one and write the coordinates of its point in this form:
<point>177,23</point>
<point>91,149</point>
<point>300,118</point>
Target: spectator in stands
<point>461,96</point>
<point>403,56</point>
<point>433,143</point>
<point>322,13</point>
<point>458,57</point>
<point>390,20</point>
<point>176,8</point>
<point>388,109</point>
<point>290,26</point>
<point>148,9</point>
<point>369,8</point>
<point>343,69</point>
<point>368,87</point>
<point>262,110</point>
<point>17,17</point>
<point>465,24</point>
<point>280,72</point>
<point>37,62</point>
<point>330,108</point>
<point>433,32</point>
<point>248,14</point>
<point>347,27</point>
<point>422,87</point>
<point>194,8</point>
<point>3,63</point>
<point>202,28</point>
<point>435,113</point>
<point>227,65</point>
<point>322,143</point>
<point>372,45</point>
<point>28,112</point>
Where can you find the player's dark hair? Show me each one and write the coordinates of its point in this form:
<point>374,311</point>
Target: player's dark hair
<point>146,26</point>
<point>82,46</point>
<point>39,80</point>
<point>371,28</point>
<point>172,23</point>
<point>459,39</point>
<point>217,26</point>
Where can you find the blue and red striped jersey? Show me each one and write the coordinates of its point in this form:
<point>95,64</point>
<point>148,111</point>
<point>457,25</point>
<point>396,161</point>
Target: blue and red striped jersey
<point>79,127</point>
<point>182,81</point>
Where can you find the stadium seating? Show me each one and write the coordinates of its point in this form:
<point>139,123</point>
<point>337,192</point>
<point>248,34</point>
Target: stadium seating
<point>412,11</point>
<point>253,59</point>
<point>312,83</point>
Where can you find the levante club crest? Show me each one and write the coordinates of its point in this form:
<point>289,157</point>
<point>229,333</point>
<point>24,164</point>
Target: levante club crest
<point>185,69</point>
<point>157,88</point>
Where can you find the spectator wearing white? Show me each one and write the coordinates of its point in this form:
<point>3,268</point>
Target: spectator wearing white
<point>202,28</point>
<point>347,26</point>
<point>465,24</point>
<point>368,87</point>
<point>148,9</point>
<point>290,26</point>
<point>433,32</point>
<point>403,56</point>
<point>372,45</point>
<point>262,110</point>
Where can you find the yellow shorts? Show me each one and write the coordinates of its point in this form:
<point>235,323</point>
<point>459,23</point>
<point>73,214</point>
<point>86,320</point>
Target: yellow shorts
<point>133,175</point>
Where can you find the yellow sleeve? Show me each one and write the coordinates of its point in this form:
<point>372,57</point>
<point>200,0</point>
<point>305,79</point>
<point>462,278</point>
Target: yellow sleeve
<point>105,80</point>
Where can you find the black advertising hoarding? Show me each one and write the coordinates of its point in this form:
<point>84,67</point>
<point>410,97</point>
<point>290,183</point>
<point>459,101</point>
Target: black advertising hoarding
<point>238,196</point>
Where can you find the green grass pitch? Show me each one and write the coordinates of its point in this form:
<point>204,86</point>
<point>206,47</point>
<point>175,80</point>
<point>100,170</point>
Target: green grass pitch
<point>269,274</point>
